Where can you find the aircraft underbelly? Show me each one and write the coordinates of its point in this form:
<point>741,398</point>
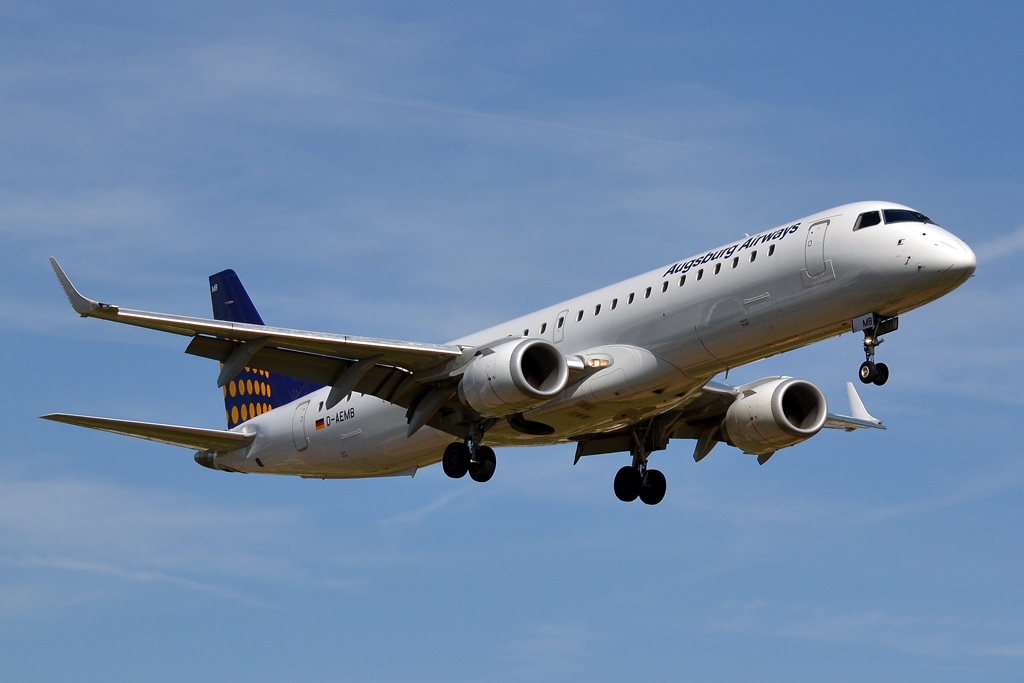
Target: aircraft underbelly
<point>362,436</point>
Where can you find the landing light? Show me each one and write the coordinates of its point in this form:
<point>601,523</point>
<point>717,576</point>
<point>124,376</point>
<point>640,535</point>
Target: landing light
<point>598,363</point>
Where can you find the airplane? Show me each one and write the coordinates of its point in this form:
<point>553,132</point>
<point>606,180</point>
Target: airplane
<point>624,369</point>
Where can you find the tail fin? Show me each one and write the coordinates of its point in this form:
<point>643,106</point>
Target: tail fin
<point>252,392</point>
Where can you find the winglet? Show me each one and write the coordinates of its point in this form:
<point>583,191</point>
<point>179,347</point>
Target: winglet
<point>82,305</point>
<point>857,408</point>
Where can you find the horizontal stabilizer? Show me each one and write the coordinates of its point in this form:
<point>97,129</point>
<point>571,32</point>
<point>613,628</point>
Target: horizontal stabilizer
<point>194,438</point>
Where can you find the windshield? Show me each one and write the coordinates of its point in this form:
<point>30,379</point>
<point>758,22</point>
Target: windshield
<point>904,216</point>
<point>866,220</point>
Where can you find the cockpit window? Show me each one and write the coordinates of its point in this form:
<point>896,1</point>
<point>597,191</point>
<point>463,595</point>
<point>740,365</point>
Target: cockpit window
<point>904,216</point>
<point>866,220</point>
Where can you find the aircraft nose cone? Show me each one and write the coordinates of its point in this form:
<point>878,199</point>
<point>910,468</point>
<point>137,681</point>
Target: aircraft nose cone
<point>968,262</point>
<point>960,257</point>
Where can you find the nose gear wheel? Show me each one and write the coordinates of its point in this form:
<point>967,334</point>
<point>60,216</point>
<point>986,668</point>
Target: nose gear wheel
<point>871,372</point>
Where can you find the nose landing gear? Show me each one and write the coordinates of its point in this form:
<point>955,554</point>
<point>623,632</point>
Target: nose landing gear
<point>874,326</point>
<point>874,373</point>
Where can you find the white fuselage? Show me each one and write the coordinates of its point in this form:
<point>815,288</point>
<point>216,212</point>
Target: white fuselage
<point>665,333</point>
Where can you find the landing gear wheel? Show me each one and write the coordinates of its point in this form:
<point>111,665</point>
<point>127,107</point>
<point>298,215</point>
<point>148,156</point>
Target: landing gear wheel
<point>882,375</point>
<point>627,484</point>
<point>653,488</point>
<point>456,460</point>
<point>869,371</point>
<point>483,468</point>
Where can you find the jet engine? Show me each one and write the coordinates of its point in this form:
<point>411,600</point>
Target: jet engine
<point>775,414</point>
<point>513,376</point>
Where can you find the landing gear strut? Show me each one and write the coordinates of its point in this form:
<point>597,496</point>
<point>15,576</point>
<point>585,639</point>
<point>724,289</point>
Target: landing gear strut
<point>874,326</point>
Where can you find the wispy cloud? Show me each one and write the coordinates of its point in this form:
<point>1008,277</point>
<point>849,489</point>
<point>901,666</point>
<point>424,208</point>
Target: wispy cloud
<point>761,510</point>
<point>79,215</point>
<point>136,535</point>
<point>418,515</point>
<point>936,636</point>
<point>554,647</point>
<point>135,575</point>
<point>1001,247</point>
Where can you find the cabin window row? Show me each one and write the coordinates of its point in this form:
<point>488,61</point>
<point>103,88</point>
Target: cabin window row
<point>647,292</point>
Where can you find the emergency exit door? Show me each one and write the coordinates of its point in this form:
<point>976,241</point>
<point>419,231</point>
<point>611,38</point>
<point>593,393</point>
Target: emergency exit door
<point>299,427</point>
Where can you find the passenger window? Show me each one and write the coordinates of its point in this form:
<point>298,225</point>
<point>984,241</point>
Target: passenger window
<point>700,273</point>
<point>904,216</point>
<point>682,281</point>
<point>771,250</point>
<point>579,316</point>
<point>647,293</point>
<point>543,328</point>
<point>866,220</point>
<point>320,407</point>
<point>560,321</point>
<point>664,286</point>
<point>735,261</point>
<point>615,302</point>
<point>630,300</point>
<point>753,255</point>
<point>597,309</point>
<point>718,268</point>
<point>526,332</point>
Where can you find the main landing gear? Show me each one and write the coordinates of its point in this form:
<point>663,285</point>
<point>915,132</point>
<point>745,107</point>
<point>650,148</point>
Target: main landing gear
<point>636,481</point>
<point>874,326</point>
<point>460,458</point>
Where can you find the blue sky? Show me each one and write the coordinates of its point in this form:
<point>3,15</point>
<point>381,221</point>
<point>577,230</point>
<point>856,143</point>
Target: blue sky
<point>420,171</point>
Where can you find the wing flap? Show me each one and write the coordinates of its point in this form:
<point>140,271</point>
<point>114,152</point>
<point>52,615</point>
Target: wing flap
<point>381,381</point>
<point>193,438</point>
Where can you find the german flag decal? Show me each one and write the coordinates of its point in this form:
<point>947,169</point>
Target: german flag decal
<point>320,423</point>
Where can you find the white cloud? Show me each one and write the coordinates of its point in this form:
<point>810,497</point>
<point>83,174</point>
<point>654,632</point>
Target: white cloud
<point>418,515</point>
<point>935,636</point>
<point>137,535</point>
<point>80,214</point>
<point>762,510</point>
<point>1001,247</point>
<point>553,647</point>
<point>136,575</point>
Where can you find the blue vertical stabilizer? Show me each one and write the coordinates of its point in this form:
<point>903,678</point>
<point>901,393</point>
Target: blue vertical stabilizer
<point>251,392</point>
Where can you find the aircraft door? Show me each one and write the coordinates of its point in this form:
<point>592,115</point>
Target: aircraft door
<point>299,427</point>
<point>559,328</point>
<point>814,249</point>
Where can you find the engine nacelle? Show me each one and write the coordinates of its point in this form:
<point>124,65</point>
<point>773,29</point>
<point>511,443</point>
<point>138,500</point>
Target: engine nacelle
<point>779,413</point>
<point>515,375</point>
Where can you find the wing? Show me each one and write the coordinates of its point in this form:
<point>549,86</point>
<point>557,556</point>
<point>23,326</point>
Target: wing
<point>195,438</point>
<point>404,373</point>
<point>701,416</point>
<point>861,419</point>
<point>710,404</point>
<point>412,356</point>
